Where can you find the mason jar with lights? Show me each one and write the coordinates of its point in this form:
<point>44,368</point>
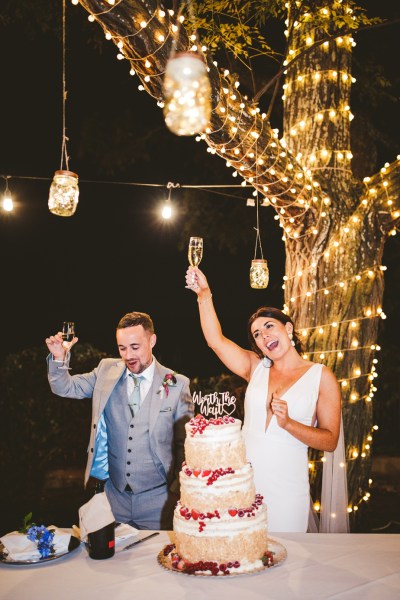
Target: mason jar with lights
<point>259,274</point>
<point>187,94</point>
<point>64,194</point>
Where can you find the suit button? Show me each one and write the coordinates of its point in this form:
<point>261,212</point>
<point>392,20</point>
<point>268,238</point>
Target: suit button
<point>94,426</point>
<point>129,450</point>
<point>128,474</point>
<point>91,449</point>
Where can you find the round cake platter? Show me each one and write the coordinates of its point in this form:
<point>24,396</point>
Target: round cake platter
<point>278,550</point>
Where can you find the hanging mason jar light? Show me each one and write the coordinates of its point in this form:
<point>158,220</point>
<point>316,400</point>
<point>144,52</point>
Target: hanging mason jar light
<point>187,94</point>
<point>64,193</point>
<point>64,190</point>
<point>259,273</point>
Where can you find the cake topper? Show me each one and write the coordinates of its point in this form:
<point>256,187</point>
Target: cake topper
<point>215,404</point>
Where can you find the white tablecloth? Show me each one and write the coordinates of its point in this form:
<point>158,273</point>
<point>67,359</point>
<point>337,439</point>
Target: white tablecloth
<point>318,566</point>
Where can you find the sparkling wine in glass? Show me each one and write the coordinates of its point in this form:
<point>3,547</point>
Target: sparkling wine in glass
<point>195,251</point>
<point>68,333</point>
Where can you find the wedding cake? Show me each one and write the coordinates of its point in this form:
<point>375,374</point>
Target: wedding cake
<point>220,523</point>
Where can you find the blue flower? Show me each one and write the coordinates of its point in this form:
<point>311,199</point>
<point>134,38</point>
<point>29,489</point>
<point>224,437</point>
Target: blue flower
<point>44,539</point>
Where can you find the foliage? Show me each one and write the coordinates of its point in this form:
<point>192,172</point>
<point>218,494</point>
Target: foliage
<point>26,523</point>
<point>233,25</point>
<point>26,12</point>
<point>51,431</point>
<point>239,27</point>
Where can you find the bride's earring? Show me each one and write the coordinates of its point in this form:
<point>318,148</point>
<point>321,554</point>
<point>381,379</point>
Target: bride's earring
<point>291,339</point>
<point>266,362</point>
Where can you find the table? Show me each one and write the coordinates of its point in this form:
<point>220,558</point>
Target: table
<point>318,566</point>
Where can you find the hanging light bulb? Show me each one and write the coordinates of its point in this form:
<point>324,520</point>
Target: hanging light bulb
<point>64,194</point>
<point>8,204</point>
<point>259,274</point>
<point>64,191</point>
<point>187,94</point>
<point>167,210</point>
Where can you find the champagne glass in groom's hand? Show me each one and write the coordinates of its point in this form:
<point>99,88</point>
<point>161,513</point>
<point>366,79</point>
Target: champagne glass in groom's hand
<point>68,337</point>
<point>68,334</point>
<point>62,342</point>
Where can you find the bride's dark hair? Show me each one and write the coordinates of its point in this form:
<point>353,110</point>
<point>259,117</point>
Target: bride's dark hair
<point>272,313</point>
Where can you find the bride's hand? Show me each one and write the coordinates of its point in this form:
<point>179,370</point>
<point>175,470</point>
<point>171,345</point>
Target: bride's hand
<point>196,281</point>
<point>280,410</point>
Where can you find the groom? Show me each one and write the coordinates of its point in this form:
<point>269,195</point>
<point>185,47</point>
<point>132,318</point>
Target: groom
<point>139,412</point>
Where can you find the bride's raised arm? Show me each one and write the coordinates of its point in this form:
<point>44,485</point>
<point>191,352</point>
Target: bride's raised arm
<point>238,360</point>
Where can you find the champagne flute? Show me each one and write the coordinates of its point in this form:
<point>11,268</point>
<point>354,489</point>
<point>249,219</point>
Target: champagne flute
<point>68,334</point>
<point>195,251</point>
<point>195,254</point>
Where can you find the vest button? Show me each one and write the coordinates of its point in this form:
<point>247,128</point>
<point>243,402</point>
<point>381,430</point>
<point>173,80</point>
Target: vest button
<point>130,438</point>
<point>129,450</point>
<point>128,462</point>
<point>94,426</point>
<point>128,474</point>
<point>91,449</point>
<point>131,426</point>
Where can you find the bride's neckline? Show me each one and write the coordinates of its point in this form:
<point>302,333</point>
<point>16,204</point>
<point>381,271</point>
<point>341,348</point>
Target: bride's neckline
<point>281,394</point>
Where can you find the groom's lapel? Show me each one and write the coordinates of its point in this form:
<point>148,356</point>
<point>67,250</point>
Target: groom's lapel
<point>109,381</point>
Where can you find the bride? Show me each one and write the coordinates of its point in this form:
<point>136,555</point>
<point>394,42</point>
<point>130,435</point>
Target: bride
<point>291,404</point>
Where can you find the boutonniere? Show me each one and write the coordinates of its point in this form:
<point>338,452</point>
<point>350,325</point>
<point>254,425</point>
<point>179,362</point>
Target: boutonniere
<point>168,381</point>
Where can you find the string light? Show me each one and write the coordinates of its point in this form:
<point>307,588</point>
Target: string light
<point>8,204</point>
<point>167,208</point>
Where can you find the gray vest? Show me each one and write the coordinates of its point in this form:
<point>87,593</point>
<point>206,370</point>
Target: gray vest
<point>129,453</point>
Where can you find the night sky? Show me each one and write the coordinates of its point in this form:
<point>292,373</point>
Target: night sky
<point>116,255</point>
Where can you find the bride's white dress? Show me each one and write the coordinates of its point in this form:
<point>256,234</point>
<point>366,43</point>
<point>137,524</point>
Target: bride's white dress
<point>279,460</point>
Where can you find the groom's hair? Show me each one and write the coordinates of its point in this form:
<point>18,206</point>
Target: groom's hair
<point>136,318</point>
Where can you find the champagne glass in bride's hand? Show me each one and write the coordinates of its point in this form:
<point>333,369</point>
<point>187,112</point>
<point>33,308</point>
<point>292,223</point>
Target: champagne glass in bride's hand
<point>195,254</point>
<point>195,251</point>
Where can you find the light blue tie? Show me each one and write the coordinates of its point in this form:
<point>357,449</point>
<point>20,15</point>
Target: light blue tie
<point>134,398</point>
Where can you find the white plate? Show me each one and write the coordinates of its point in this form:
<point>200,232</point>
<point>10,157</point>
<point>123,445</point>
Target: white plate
<point>73,545</point>
<point>278,550</point>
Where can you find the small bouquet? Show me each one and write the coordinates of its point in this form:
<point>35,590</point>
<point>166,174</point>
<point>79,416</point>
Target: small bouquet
<point>43,537</point>
<point>168,381</point>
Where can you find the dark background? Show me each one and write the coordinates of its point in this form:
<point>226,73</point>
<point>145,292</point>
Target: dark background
<point>117,254</point>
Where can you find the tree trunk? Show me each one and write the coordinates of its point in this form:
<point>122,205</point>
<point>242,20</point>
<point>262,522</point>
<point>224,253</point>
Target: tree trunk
<point>334,228</point>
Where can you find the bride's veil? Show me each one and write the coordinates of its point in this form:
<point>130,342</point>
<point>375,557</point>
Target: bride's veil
<point>334,517</point>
